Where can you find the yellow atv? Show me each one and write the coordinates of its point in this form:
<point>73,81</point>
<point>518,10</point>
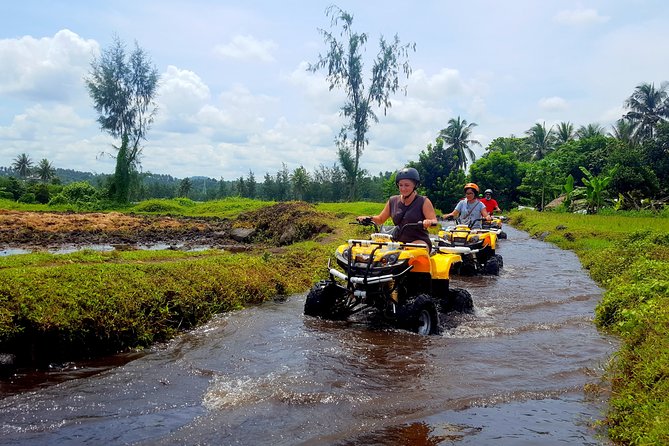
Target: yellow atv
<point>495,225</point>
<point>405,282</point>
<point>475,246</point>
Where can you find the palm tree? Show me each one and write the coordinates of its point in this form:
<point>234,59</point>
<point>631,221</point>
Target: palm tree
<point>45,171</point>
<point>564,133</point>
<point>648,106</point>
<point>457,138</point>
<point>23,165</point>
<point>590,130</point>
<point>540,141</point>
<point>623,130</point>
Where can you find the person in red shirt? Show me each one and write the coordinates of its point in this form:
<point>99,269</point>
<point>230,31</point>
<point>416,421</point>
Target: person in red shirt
<point>489,202</point>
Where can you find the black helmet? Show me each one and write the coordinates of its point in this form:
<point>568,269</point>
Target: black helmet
<point>408,173</point>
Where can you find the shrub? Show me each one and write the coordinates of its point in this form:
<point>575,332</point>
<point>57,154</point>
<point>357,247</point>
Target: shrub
<point>80,194</point>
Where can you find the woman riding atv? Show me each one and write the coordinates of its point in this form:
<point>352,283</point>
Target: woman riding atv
<point>408,207</point>
<point>471,209</point>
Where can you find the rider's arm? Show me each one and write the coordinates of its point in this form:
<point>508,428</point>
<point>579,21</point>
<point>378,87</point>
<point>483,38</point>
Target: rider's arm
<point>484,214</point>
<point>429,213</point>
<point>378,219</point>
<point>454,214</point>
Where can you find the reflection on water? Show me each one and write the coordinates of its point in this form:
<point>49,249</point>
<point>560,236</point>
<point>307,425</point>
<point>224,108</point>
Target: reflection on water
<point>512,373</point>
<point>108,247</point>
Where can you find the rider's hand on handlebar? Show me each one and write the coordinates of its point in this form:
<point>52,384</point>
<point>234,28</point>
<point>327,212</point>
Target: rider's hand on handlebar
<point>427,223</point>
<point>365,220</point>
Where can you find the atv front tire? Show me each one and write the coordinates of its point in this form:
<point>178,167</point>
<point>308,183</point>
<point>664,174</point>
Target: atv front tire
<point>458,299</point>
<point>492,266</point>
<point>420,315</point>
<point>327,300</point>
<point>502,235</point>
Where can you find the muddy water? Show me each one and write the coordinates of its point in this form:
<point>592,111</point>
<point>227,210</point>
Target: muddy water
<point>512,374</point>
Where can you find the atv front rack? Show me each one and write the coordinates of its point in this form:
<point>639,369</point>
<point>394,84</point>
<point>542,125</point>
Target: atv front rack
<point>366,279</point>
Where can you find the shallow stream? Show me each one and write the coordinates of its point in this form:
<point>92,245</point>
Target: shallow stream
<point>511,374</point>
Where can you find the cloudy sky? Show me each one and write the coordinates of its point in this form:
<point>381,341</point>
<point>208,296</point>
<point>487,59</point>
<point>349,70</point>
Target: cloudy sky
<point>235,95</point>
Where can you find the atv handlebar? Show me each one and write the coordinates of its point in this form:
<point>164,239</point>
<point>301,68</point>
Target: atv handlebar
<point>367,221</point>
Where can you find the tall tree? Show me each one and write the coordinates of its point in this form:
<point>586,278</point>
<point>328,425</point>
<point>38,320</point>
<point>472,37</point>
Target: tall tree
<point>590,130</point>
<point>623,130</point>
<point>23,165</point>
<point>540,141</point>
<point>648,107</point>
<point>251,185</point>
<point>185,187</point>
<point>300,180</point>
<point>344,65</point>
<point>457,138</point>
<point>45,171</point>
<point>564,133</point>
<point>123,88</point>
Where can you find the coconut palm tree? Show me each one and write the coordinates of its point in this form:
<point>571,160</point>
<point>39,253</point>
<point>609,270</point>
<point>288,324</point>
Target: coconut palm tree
<point>45,171</point>
<point>456,136</point>
<point>648,107</point>
<point>590,130</point>
<point>23,165</point>
<point>564,133</point>
<point>541,141</point>
<point>623,130</point>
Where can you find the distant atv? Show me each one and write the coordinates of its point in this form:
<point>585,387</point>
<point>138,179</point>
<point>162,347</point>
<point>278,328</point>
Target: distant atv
<point>406,282</point>
<point>495,225</point>
<point>475,246</point>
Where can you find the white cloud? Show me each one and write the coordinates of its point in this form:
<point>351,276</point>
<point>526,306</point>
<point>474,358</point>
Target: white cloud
<point>579,17</point>
<point>50,68</point>
<point>247,48</point>
<point>553,104</point>
<point>182,91</point>
<point>446,83</point>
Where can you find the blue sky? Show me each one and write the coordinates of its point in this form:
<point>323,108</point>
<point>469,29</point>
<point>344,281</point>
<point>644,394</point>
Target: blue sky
<point>235,95</point>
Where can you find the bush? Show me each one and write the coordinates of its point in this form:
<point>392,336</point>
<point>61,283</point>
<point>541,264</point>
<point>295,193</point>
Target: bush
<point>28,197</point>
<point>80,194</point>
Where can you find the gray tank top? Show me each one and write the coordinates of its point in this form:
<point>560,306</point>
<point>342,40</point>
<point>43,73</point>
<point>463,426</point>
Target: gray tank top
<point>412,213</point>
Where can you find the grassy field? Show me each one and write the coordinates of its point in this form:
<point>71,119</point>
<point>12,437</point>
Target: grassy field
<point>628,255</point>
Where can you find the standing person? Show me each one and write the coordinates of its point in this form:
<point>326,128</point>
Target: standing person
<point>490,203</point>
<point>471,208</point>
<point>408,207</point>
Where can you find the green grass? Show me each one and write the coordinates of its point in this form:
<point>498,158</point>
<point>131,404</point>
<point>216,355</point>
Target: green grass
<point>629,256</point>
<point>91,303</point>
<point>225,208</point>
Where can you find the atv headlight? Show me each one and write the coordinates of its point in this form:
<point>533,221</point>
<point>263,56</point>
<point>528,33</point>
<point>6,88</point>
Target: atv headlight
<point>389,259</point>
<point>344,254</point>
<point>474,239</point>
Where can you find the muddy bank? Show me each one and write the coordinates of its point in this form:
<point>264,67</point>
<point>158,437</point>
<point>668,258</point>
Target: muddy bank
<point>47,230</point>
<point>281,224</point>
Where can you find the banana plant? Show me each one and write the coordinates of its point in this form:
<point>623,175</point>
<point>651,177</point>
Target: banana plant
<point>568,189</point>
<point>595,187</point>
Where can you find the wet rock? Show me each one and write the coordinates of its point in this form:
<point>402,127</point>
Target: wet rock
<point>7,359</point>
<point>543,235</point>
<point>288,236</point>
<point>560,227</point>
<point>242,234</point>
